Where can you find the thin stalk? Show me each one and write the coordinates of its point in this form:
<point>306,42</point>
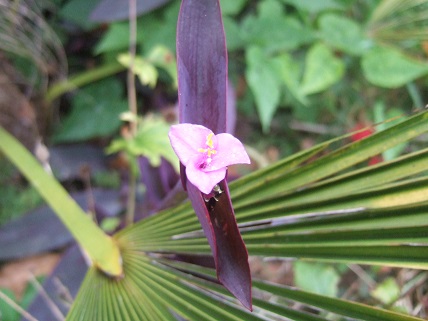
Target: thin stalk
<point>132,103</point>
<point>82,79</point>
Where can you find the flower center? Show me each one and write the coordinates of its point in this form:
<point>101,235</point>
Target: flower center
<point>208,151</point>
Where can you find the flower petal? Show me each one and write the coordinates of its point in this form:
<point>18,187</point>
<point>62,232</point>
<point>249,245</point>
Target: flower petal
<point>203,180</point>
<point>229,151</point>
<point>186,139</point>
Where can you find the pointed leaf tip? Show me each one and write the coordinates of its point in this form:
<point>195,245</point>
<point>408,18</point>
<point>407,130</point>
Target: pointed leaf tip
<point>230,254</point>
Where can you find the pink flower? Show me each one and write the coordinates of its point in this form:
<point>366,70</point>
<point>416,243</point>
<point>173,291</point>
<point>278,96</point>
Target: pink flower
<point>205,155</point>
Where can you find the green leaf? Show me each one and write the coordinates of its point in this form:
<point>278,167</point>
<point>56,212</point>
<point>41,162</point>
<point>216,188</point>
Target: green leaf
<point>145,71</point>
<point>159,28</point>
<point>232,7</point>
<point>387,292</point>
<point>272,30</point>
<point>342,33</point>
<point>389,68</point>
<point>78,11</point>
<point>151,141</point>
<point>115,39</point>
<point>7,313</point>
<point>233,33</point>
<point>316,277</point>
<point>263,80</point>
<point>163,58</point>
<point>289,72</point>
<point>95,113</point>
<point>322,70</point>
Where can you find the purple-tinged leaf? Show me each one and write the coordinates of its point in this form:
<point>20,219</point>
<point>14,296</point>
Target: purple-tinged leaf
<point>112,10</point>
<point>202,98</point>
<point>40,230</point>
<point>68,161</point>
<point>230,254</point>
<point>202,65</point>
<point>159,181</point>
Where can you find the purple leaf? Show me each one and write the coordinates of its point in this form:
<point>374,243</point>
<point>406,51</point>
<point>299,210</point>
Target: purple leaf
<point>202,97</point>
<point>159,181</point>
<point>230,254</point>
<point>40,230</point>
<point>202,65</point>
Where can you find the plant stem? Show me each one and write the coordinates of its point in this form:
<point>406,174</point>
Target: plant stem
<point>132,102</point>
<point>81,79</point>
<point>101,248</point>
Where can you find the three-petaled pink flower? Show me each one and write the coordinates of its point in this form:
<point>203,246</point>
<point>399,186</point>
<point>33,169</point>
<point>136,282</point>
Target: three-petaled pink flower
<point>205,155</point>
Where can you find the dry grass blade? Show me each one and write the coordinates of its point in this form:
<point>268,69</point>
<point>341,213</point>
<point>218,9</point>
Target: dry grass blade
<point>25,32</point>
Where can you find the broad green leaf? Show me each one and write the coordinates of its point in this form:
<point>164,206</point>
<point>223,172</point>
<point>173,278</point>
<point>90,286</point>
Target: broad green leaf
<point>232,7</point>
<point>289,72</point>
<point>233,34</point>
<point>159,28</point>
<point>272,30</point>
<point>78,11</point>
<point>95,112</point>
<point>322,69</point>
<point>116,38</point>
<point>162,57</point>
<point>342,33</point>
<point>145,71</point>
<point>316,277</point>
<point>150,141</point>
<point>263,80</point>
<point>387,67</point>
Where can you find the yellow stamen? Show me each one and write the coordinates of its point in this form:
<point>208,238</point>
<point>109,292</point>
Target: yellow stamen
<point>209,141</point>
<point>210,150</point>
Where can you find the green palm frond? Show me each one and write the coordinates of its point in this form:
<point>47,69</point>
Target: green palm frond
<point>319,208</point>
<point>319,204</point>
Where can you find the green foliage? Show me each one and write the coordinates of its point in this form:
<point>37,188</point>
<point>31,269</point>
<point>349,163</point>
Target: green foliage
<point>316,277</point>
<point>150,141</point>
<point>387,292</point>
<point>387,67</point>
<point>322,70</point>
<point>263,80</point>
<point>335,49</point>
<point>78,11</point>
<point>7,312</point>
<point>342,33</point>
<point>95,112</point>
<point>15,200</point>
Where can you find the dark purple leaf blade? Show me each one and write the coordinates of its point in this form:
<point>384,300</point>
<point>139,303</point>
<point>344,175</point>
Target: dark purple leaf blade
<point>40,230</point>
<point>230,254</point>
<point>202,65</point>
<point>202,98</point>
